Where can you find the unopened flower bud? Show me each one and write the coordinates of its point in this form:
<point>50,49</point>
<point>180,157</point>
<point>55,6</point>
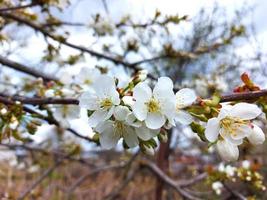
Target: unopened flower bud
<point>163,136</point>
<point>148,150</point>
<point>142,75</point>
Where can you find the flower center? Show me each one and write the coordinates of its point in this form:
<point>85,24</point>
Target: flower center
<point>88,82</point>
<point>232,124</point>
<point>153,105</point>
<point>119,128</point>
<point>106,103</point>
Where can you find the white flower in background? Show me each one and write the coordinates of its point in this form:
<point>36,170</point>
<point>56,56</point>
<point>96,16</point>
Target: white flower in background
<point>64,113</point>
<point>184,98</point>
<point>87,76</point>
<point>112,131</point>
<point>230,170</point>
<point>231,126</point>
<point>3,111</point>
<point>154,107</point>
<point>217,187</point>
<point>246,164</point>
<point>102,99</point>
<point>103,26</point>
<point>65,76</point>
<point>49,93</point>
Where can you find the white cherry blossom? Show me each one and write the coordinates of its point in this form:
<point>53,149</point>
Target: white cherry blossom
<point>87,77</point>
<point>184,98</point>
<point>65,113</point>
<point>124,126</point>
<point>233,123</point>
<point>157,106</point>
<point>111,131</point>
<point>101,99</point>
<point>231,126</point>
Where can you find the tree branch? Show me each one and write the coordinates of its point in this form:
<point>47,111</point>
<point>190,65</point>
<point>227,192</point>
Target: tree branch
<point>167,180</point>
<point>25,69</point>
<point>40,179</point>
<point>73,101</point>
<point>19,7</point>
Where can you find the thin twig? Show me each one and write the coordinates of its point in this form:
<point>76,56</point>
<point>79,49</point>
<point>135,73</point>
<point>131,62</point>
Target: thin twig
<point>40,179</point>
<point>19,7</point>
<point>28,70</point>
<point>167,180</point>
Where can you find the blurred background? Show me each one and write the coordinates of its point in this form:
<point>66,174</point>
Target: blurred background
<point>204,45</point>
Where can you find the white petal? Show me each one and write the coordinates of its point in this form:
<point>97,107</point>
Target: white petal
<point>140,110</point>
<point>115,97</point>
<point>257,136</point>
<point>225,111</point>
<point>154,120</point>
<point>132,121</point>
<point>97,117</point>
<point>142,92</point>
<point>185,97</point>
<point>227,136</point>
<point>87,74</point>
<point>212,129</point>
<point>128,100</point>
<point>241,132</point>
<point>227,151</point>
<point>183,117</point>
<point>102,126</point>
<point>109,113</point>
<point>245,111</point>
<point>108,139</point>
<point>168,106</point>
<point>104,86</point>
<point>121,112</point>
<point>163,88</point>
<point>130,137</point>
<point>89,101</point>
<point>146,134</point>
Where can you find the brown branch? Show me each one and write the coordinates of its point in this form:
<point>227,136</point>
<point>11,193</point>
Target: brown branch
<point>8,101</point>
<point>73,101</point>
<point>167,180</point>
<point>93,172</point>
<point>115,193</point>
<point>19,7</point>
<point>244,96</point>
<point>103,168</point>
<point>22,68</point>
<point>235,194</point>
<point>62,40</point>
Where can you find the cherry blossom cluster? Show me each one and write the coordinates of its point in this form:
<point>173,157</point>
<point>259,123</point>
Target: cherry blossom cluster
<point>135,113</point>
<point>138,113</point>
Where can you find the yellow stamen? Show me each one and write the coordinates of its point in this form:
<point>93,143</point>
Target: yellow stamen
<point>232,124</point>
<point>106,103</point>
<point>153,105</point>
